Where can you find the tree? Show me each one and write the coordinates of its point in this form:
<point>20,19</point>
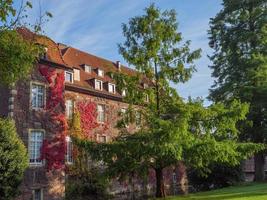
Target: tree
<point>172,131</point>
<point>238,35</point>
<point>13,159</point>
<point>17,55</point>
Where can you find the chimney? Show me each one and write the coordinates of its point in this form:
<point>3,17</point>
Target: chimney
<point>119,65</point>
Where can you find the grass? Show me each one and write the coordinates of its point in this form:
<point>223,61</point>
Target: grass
<point>245,192</point>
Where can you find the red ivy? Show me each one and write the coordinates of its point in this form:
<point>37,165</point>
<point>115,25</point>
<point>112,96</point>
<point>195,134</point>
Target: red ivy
<point>53,150</point>
<point>88,116</point>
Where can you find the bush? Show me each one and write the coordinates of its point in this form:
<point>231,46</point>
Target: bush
<point>220,176</point>
<point>13,159</point>
<point>87,186</point>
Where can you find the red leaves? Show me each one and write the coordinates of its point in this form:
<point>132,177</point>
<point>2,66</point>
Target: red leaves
<point>88,115</point>
<point>53,150</point>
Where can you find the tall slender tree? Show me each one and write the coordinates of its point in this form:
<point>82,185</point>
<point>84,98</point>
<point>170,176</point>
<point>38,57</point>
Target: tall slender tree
<point>172,131</point>
<point>238,35</point>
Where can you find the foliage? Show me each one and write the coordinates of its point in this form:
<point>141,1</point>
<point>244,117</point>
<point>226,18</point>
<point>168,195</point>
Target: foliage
<point>17,56</point>
<point>84,180</point>
<point>220,176</point>
<point>13,159</point>
<point>53,150</point>
<point>238,35</point>
<point>173,131</point>
<point>87,186</point>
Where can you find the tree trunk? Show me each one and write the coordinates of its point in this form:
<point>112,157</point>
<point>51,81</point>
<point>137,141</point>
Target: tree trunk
<point>182,179</point>
<point>259,162</point>
<point>160,190</point>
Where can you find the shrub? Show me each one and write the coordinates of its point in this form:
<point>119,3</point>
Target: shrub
<point>220,176</point>
<point>13,159</point>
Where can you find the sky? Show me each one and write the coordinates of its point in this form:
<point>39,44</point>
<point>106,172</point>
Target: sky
<point>94,26</point>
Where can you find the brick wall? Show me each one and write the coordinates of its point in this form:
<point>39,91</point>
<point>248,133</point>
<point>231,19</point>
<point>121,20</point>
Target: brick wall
<point>26,118</point>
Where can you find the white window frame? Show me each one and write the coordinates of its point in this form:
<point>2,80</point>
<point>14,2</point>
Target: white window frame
<point>124,115</point>
<point>36,144</point>
<point>38,93</point>
<point>69,151</point>
<point>69,104</point>
<point>71,73</point>
<point>76,74</point>
<point>88,69</point>
<point>42,194</point>
<point>100,72</point>
<point>138,115</point>
<point>101,115</point>
<point>123,93</point>
<point>146,98</point>
<point>102,136</point>
<point>112,88</point>
<point>101,84</point>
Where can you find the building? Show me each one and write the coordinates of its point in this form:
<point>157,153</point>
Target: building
<point>63,80</point>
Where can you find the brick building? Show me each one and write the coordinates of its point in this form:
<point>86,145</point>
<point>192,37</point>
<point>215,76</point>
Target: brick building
<point>30,104</point>
<point>86,79</point>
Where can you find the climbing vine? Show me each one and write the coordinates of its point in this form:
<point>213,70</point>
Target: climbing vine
<point>53,150</point>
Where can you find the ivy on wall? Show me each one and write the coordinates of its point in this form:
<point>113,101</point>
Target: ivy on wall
<point>53,149</point>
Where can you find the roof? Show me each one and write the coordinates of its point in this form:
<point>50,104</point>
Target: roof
<point>76,59</point>
<point>73,58</point>
<point>53,53</point>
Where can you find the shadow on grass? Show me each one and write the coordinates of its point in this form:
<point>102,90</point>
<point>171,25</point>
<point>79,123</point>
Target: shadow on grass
<point>254,191</point>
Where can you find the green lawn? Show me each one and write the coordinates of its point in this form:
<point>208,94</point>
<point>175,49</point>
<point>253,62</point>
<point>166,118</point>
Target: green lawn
<point>246,192</point>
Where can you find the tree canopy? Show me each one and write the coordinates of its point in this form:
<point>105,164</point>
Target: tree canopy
<point>172,130</point>
<point>238,35</point>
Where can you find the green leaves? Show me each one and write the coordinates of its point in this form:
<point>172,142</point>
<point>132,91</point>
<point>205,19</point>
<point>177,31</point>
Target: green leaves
<point>13,159</point>
<point>153,40</point>
<point>17,56</point>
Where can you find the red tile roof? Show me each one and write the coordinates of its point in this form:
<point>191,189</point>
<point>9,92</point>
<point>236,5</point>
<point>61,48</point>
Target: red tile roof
<point>53,53</point>
<point>76,59</point>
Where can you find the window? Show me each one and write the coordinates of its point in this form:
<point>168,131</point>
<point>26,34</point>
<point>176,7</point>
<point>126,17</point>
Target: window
<point>35,144</point>
<point>138,118</point>
<point>100,72</point>
<point>69,108</point>
<point>69,150</point>
<point>69,77</point>
<point>102,138</point>
<point>100,113</point>
<point>98,85</point>
<point>38,96</point>
<point>125,117</point>
<point>146,98</point>
<point>37,194</point>
<point>87,69</point>
<point>76,74</point>
<point>145,86</point>
<point>123,93</point>
<point>111,88</point>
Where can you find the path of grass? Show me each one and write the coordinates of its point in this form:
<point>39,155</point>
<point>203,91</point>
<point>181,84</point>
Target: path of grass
<point>247,192</point>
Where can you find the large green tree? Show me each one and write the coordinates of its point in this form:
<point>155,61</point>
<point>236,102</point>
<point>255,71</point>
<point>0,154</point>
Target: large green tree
<point>172,131</point>
<point>238,35</point>
<point>13,159</point>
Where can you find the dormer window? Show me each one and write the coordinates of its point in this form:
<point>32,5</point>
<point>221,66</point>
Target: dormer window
<point>100,72</point>
<point>87,68</point>
<point>76,74</point>
<point>98,85</point>
<point>69,77</point>
<point>111,88</point>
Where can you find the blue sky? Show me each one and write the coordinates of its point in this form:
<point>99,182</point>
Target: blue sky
<point>95,27</point>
